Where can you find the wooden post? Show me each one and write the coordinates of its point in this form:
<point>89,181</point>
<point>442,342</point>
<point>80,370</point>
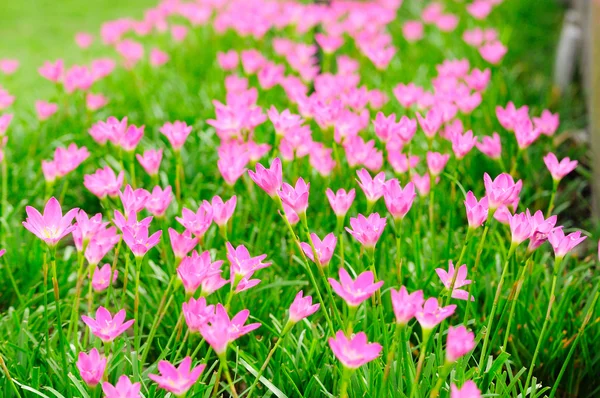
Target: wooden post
<point>592,67</point>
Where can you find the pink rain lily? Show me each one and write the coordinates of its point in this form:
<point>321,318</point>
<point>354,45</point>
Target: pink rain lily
<point>372,187</point>
<point>324,248</point>
<point>197,313</point>
<point>431,123</point>
<point>547,123</point>
<point>199,222</point>
<point>340,201</point>
<point>406,304</point>
<point>295,197</point>
<point>159,200</point>
<point>182,244</point>
<point>490,146</point>
<point>468,390</point>
<point>397,200</point>
<point>458,343</point>
<point>270,180</point>
<point>222,211</point>
<point>354,352</point>
<point>540,228</point>
<point>493,52</point>
<point>220,331</point>
<point>177,380</point>
<point>193,270</point>
<point>477,211</point>
<point>9,66</point>
<point>123,389</point>
<point>431,314</point>
<point>177,133</point>
<point>104,182</point>
<point>52,226</point>
<point>138,241</point>
<point>52,71</point>
<point>563,244</point>
<point>45,109</point>
<point>463,143</point>
<point>150,161</point>
<point>5,122</point>
<point>354,292</point>
<point>500,190</point>
<point>520,228</point>
<point>131,138</point>
<point>422,183</point>
<point>302,307</point>
<point>460,281</point>
<point>228,60</point>
<point>95,101</point>
<point>559,169</point>
<point>105,327</point>
<point>412,30</point>
<point>133,200</point>
<point>102,279</point>
<point>367,230</point>
<point>84,40</point>
<point>436,162</point>
<point>242,265</point>
<point>158,57</point>
<point>91,367</point>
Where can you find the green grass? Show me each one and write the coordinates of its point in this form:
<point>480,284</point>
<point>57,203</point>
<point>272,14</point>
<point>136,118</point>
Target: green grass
<point>304,365</point>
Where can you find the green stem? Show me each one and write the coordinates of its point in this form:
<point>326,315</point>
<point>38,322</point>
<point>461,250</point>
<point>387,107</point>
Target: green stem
<point>13,282</point>
<point>125,277</point>
<point>474,270</point>
<point>136,302</point>
<point>586,320</point>
<point>61,336</point>
<point>113,269</point>
<point>132,168</point>
<point>458,264</point>
<point>552,197</point>
<point>435,392</point>
<point>487,331</point>
<point>4,198</point>
<point>391,353</point>
<point>78,285</point>
<point>557,262</point>
<point>346,374</point>
<point>426,334</point>
<point>516,290</point>
<point>225,369</point>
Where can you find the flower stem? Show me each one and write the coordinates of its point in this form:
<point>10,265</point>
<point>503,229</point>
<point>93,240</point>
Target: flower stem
<point>458,264</point>
<point>516,290</point>
<point>225,368</point>
<point>136,302</point>
<point>13,282</point>
<point>435,392</point>
<point>78,285</point>
<point>61,336</point>
<point>488,329</point>
<point>557,262</point>
<point>552,197</point>
<point>346,374</point>
<point>474,270</point>
<point>426,334</point>
<point>392,352</point>
<point>158,318</point>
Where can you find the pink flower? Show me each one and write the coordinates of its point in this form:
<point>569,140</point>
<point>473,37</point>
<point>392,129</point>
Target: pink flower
<point>354,352</point>
<point>150,161</point>
<point>479,9</point>
<point>329,44</point>
<point>540,228</point>
<point>324,248</point>
<point>104,182</point>
<point>493,52</point>
<point>52,226</point>
<point>95,101</point>
<point>422,183</point>
<point>406,305</point>
<point>559,169</point>
<point>182,244</point>
<point>84,40</point>
<point>397,200</point>
<point>198,222</point>
<point>105,327</point>
<point>302,307</point>
<point>367,230</point>
<point>458,343</point>
<point>91,367</point>
<point>179,33</point>
<point>563,244</point>
<point>372,187</point>
<point>177,133</point>
<point>86,228</point>
<point>284,122</point>
<point>159,200</point>
<point>133,200</point>
<point>131,138</point>
<point>177,380</point>
<point>510,116</point>
<point>431,314</point>
<point>340,201</point>
<point>436,162</point>
<point>195,269</point>
<point>197,313</point>
<point>228,60</point>
<point>412,30</point>
<point>462,144</point>
<point>131,51</point>
<point>490,146</point>
<point>52,71</point>
<point>270,180</point>
<point>478,80</point>
<point>6,99</point>
<point>447,22</point>
<point>499,191</point>
<point>45,109</point>
<point>158,57</point>
<point>525,133</point>
<point>220,331</point>
<point>547,123</point>
<point>431,123</point>
<point>354,292</point>
<point>468,390</point>
<point>295,197</point>
<point>78,78</point>
<point>460,281</point>
<point>520,228</point>
<point>138,241</point>
<point>9,66</point>
<point>102,67</point>
<point>102,279</point>
<point>123,389</point>
<point>477,212</point>
<point>112,130</point>
<point>5,122</point>
<point>242,265</point>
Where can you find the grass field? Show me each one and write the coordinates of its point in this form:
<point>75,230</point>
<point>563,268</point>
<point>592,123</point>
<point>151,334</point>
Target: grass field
<point>542,343</point>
